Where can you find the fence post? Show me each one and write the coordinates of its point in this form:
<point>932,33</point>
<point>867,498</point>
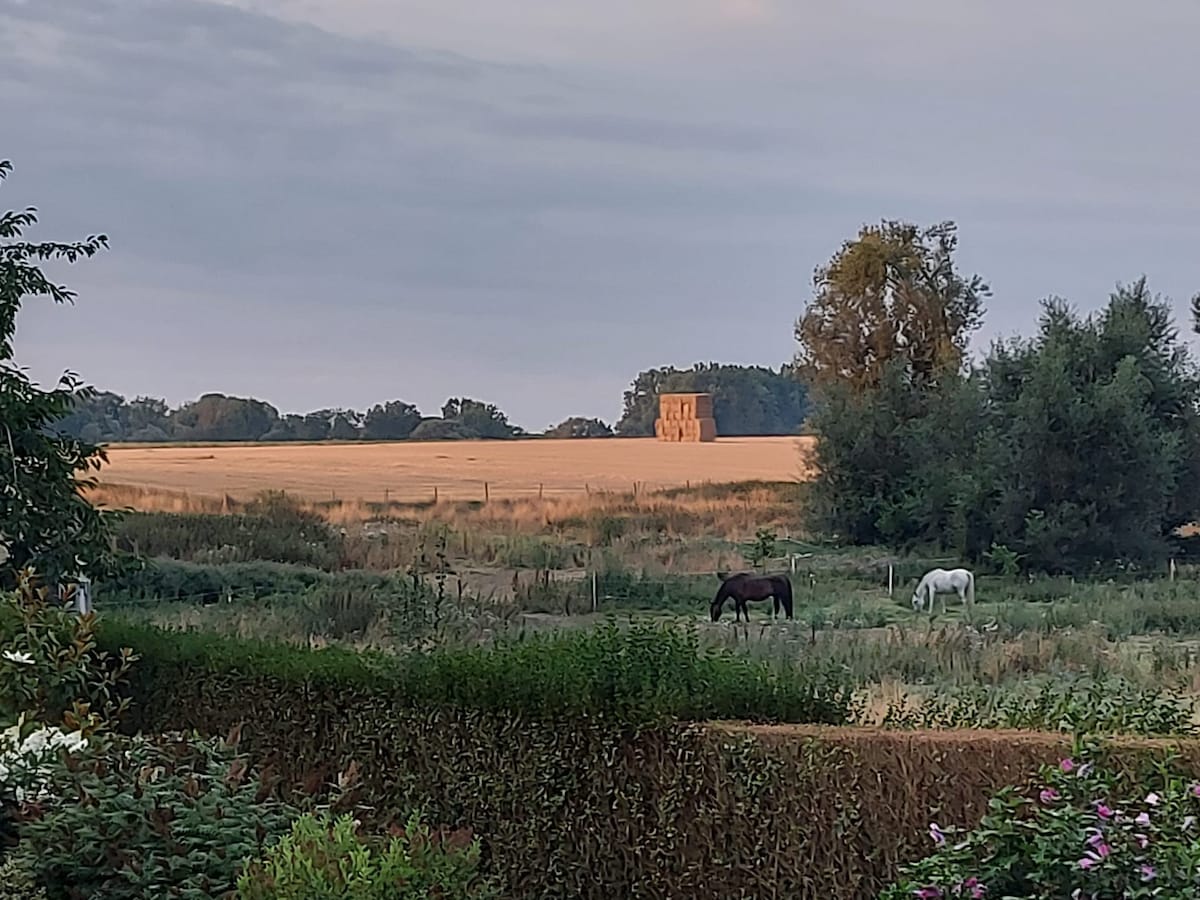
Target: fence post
<point>486,494</point>
<point>792,560</point>
<point>1172,569</point>
<point>387,496</point>
<point>83,595</point>
<point>541,487</point>
<point>435,497</point>
<point>595,597</point>
<point>891,580</point>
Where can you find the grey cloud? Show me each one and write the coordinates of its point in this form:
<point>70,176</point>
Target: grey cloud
<point>645,132</point>
<point>291,189</point>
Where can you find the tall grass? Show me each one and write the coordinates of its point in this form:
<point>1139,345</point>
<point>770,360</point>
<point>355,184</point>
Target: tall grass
<point>732,511</point>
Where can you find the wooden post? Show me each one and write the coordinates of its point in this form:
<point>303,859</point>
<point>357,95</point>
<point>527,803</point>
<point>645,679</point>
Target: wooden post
<point>541,488</point>
<point>587,489</point>
<point>387,496</point>
<point>435,497</point>
<point>486,493</point>
<point>595,597</point>
<point>83,596</point>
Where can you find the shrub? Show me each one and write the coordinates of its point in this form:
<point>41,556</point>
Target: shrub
<point>1078,704</point>
<point>328,860</point>
<point>634,675</point>
<point>51,667</point>
<point>16,882</point>
<point>278,531</point>
<point>1088,834</point>
<point>134,818</point>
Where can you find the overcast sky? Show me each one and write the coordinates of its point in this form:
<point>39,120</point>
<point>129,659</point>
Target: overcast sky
<point>338,202</point>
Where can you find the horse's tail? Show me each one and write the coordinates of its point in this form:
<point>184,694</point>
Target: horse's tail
<point>785,595</point>
<point>970,588</point>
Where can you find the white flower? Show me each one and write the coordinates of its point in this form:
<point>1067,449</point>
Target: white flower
<point>23,659</point>
<point>1152,798</point>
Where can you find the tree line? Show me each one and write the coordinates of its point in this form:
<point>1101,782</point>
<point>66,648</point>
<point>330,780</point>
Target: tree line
<point>1074,450</point>
<point>747,400</point>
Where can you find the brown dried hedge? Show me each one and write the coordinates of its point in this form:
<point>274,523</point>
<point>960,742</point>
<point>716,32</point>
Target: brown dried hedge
<point>572,807</point>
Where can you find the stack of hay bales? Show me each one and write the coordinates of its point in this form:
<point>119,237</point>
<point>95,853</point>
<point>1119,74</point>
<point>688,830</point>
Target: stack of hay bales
<point>685,418</point>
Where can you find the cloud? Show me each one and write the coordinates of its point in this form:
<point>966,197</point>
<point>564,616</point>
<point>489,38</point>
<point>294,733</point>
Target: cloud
<point>334,202</point>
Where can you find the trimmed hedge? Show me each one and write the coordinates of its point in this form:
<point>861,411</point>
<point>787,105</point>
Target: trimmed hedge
<point>582,784</point>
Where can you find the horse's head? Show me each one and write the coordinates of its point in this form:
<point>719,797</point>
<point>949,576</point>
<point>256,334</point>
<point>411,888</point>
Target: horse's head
<point>714,609</point>
<point>917,602</point>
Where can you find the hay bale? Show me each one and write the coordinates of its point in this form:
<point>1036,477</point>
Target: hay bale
<point>685,417</point>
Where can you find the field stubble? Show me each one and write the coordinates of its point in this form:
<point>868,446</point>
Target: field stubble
<point>410,472</point>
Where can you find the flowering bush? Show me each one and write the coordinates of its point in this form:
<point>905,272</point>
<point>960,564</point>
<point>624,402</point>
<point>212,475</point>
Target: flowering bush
<point>26,752</point>
<point>135,818</point>
<point>1087,834</point>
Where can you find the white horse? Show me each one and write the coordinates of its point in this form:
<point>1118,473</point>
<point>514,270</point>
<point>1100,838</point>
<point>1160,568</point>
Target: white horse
<point>943,581</point>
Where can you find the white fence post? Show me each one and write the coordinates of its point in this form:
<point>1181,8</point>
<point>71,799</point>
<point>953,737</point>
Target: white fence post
<point>595,598</point>
<point>891,579</point>
<point>83,595</point>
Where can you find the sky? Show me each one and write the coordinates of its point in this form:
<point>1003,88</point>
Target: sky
<point>339,202</point>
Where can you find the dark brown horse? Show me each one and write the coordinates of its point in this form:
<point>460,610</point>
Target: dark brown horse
<point>744,587</point>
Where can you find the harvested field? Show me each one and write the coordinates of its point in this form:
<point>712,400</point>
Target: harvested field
<point>457,470</point>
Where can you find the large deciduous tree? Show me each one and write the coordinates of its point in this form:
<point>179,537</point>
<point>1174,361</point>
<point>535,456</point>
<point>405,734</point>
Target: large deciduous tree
<point>892,293</point>
<point>45,522</point>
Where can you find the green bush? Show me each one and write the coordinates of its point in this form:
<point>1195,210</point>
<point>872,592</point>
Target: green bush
<point>1070,704</point>
<point>328,860</point>
<point>277,534</point>
<point>1089,833</point>
<point>16,881</point>
<point>134,818</point>
<point>51,668</point>
<point>636,674</point>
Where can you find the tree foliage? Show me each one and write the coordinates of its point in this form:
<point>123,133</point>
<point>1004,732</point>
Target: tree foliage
<point>1074,450</point>
<point>44,520</point>
<point>892,293</point>
<point>580,427</point>
<point>747,400</point>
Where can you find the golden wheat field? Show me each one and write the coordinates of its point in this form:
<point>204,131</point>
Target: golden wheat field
<point>455,470</point>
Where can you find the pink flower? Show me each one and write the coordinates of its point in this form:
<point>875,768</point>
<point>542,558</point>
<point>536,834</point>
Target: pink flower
<point>1102,850</point>
<point>1097,837</point>
<point>972,884</point>
<point>1067,765</point>
<point>1142,840</point>
<point>937,834</point>
<point>1104,811</point>
<point>1148,872</point>
<point>1087,862</point>
<point>927,893</point>
<point>1196,790</point>
<point>1049,795</point>
<point>1143,819</point>
<point>1152,798</point>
